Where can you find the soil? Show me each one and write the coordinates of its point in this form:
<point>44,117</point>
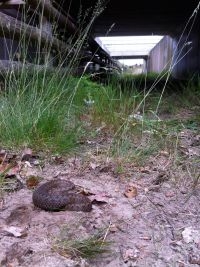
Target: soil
<point>149,211</point>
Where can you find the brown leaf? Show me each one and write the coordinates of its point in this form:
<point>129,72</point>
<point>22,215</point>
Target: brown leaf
<point>131,191</point>
<point>19,216</point>
<point>32,181</point>
<point>15,231</point>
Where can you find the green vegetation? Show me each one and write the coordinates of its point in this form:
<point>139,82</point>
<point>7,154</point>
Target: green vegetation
<point>35,114</point>
<point>53,113</point>
<point>39,103</point>
<point>88,247</point>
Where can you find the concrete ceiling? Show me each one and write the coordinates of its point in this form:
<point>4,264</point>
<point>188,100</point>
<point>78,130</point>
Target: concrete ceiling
<point>142,17</point>
<point>128,46</point>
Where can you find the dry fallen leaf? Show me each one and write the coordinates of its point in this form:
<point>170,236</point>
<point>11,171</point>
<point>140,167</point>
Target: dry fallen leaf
<point>93,166</point>
<point>164,153</point>
<point>130,254</point>
<point>27,170</point>
<point>113,228</point>
<point>32,181</point>
<point>15,231</point>
<point>131,191</point>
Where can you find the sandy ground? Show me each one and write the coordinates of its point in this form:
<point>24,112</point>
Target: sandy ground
<point>150,213</point>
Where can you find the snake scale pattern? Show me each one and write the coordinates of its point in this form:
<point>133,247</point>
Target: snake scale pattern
<point>59,195</point>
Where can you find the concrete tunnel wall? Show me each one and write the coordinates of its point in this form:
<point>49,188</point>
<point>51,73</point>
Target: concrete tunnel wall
<point>181,51</point>
<point>188,46</point>
<point>160,56</point>
<point>188,62</point>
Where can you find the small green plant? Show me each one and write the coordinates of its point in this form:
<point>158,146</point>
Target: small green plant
<point>89,247</point>
<point>38,116</point>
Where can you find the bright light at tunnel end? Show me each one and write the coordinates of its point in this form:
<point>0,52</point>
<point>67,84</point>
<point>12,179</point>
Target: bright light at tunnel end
<point>131,46</point>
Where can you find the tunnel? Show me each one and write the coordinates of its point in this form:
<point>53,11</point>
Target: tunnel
<point>177,22</point>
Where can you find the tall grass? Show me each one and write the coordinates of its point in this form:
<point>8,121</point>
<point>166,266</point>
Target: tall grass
<point>37,115</point>
<point>47,113</point>
<point>37,105</point>
<point>44,109</point>
<point>139,131</point>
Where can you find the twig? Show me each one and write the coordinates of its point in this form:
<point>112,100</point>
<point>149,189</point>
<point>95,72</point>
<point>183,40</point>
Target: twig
<point>105,236</point>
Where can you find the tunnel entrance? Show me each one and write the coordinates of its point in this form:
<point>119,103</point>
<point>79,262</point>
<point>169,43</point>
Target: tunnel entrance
<point>153,58</point>
<point>133,53</point>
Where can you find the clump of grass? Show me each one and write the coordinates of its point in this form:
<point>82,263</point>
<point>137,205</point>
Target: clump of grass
<point>179,94</point>
<point>110,104</point>
<point>190,93</point>
<point>35,114</point>
<point>89,247</point>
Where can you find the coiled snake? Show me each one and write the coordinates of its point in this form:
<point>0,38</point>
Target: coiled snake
<point>58,195</point>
